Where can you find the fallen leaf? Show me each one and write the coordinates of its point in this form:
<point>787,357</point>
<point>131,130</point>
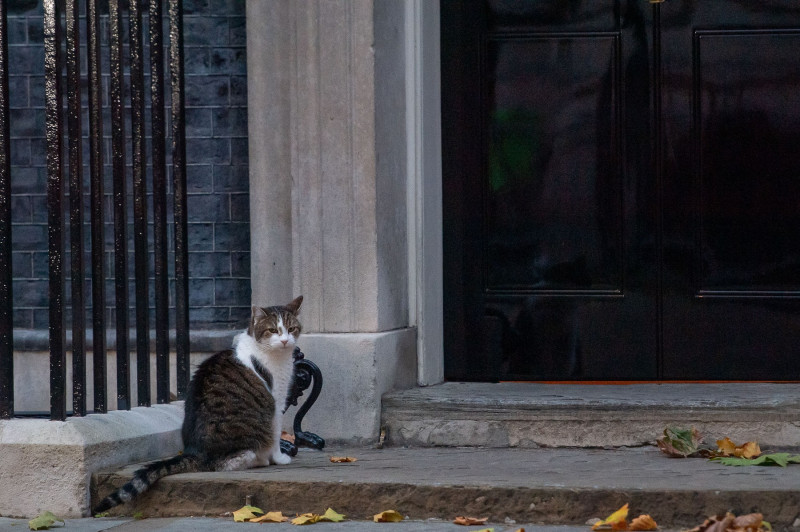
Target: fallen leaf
<point>44,520</point>
<point>484,530</point>
<point>331,515</point>
<point>286,436</point>
<point>343,459</point>
<point>270,517</point>
<point>730,523</point>
<point>305,519</point>
<point>679,442</point>
<point>310,519</point>
<point>615,521</point>
<point>773,459</point>
<point>470,521</point>
<point>749,521</point>
<point>747,450</point>
<point>726,446</point>
<point>388,516</point>
<point>643,522</point>
<point>246,512</point>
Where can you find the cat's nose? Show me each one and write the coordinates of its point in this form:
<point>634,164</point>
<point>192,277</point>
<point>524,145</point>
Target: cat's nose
<point>284,342</point>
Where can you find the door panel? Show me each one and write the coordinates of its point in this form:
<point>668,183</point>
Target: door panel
<point>621,189</point>
<point>545,209</point>
<point>731,119</point>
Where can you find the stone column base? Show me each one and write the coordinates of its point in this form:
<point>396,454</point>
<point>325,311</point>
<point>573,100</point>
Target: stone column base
<point>357,369</point>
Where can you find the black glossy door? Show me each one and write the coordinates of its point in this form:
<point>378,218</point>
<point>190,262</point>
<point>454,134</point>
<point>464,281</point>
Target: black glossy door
<point>621,200</point>
<point>731,172</point>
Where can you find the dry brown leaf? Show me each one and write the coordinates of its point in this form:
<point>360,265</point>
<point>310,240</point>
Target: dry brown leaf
<point>643,522</point>
<point>715,523</point>
<point>287,436</point>
<point>343,459</point>
<point>748,522</point>
<point>747,450</point>
<point>470,521</point>
<point>726,446</point>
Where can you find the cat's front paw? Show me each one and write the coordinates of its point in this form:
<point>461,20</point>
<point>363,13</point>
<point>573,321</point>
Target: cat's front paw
<point>280,459</point>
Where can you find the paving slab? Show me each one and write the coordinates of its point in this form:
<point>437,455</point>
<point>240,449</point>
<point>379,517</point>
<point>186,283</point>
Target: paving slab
<point>545,486</point>
<point>205,524</point>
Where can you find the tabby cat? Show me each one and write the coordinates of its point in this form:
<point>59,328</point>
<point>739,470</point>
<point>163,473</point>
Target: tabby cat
<point>234,405</point>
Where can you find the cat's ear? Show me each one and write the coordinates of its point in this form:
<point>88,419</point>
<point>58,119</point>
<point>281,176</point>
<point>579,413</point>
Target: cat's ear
<point>257,313</point>
<point>294,306</point>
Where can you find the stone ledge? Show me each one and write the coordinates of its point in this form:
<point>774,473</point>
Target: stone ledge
<point>575,415</point>
<point>47,465</point>
<point>200,341</point>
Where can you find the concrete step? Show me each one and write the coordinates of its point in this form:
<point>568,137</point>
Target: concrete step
<point>544,486</point>
<point>531,415</point>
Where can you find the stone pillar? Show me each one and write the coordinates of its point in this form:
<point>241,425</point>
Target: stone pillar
<point>328,187</point>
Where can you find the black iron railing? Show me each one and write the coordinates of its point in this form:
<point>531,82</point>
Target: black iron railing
<point>63,53</point>
<point>6,296</point>
<point>62,44</point>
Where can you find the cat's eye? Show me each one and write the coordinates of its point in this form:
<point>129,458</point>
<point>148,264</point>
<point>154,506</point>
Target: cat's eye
<point>293,330</point>
<point>272,330</point>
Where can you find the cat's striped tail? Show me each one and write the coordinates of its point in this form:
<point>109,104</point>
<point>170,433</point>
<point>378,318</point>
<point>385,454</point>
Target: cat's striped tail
<point>146,477</point>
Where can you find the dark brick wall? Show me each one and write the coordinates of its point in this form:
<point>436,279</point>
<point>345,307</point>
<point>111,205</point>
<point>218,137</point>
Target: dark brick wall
<point>217,171</point>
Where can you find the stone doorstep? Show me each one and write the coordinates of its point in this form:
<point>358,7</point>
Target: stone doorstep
<point>573,415</point>
<point>47,465</point>
<point>546,486</point>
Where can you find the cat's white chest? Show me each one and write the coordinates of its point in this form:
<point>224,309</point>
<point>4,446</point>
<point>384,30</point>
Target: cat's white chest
<point>278,361</point>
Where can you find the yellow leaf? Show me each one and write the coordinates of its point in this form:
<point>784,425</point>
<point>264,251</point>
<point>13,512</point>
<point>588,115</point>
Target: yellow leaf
<point>305,519</point>
<point>643,522</point>
<point>270,517</point>
<point>484,530</point>
<point>310,519</point>
<point>246,512</point>
<point>747,450</point>
<point>388,516</point>
<point>331,515</point>
<point>469,521</point>
<point>286,436</point>
<point>726,446</point>
<point>343,459</point>
<point>615,521</point>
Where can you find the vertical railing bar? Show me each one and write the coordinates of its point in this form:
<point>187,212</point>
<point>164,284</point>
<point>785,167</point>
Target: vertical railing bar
<point>120,229</point>
<point>159,200</point>
<point>139,204</point>
<point>55,193</point>
<point>6,292</point>
<point>97,207</point>
<point>75,149</point>
<point>179,191</point>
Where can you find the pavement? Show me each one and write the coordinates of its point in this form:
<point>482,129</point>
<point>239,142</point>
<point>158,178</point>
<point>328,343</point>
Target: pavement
<point>533,487</point>
<point>205,524</point>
